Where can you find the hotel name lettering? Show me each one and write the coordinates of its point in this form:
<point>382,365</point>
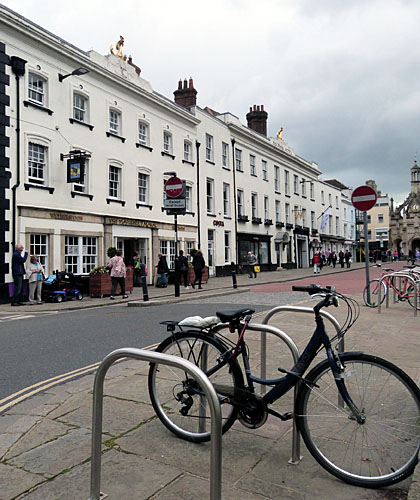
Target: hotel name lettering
<point>131,222</point>
<point>57,215</point>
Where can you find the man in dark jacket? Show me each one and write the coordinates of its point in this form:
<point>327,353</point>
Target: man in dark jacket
<point>181,267</point>
<point>18,271</point>
<point>198,265</point>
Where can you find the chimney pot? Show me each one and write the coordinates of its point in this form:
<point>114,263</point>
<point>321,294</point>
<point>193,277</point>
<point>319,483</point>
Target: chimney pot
<point>180,84</point>
<point>258,108</point>
<point>255,107</point>
<point>262,107</point>
<point>250,109</point>
<point>185,84</point>
<point>191,83</point>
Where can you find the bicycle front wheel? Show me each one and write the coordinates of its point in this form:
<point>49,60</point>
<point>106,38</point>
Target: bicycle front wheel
<point>374,293</point>
<point>379,452</point>
<point>176,397</point>
<point>410,296</point>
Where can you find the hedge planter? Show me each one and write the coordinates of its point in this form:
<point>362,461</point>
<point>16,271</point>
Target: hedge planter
<point>100,284</point>
<point>191,275</point>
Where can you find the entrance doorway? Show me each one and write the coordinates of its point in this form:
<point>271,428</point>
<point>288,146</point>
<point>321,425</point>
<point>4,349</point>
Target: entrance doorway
<point>129,246</point>
<point>415,245</point>
<point>210,252</point>
<point>302,259</point>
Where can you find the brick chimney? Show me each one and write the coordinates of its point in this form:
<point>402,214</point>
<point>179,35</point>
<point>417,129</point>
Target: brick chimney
<point>257,119</point>
<point>186,95</point>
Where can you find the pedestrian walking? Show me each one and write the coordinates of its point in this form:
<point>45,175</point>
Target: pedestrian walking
<point>118,274</point>
<point>198,265</point>
<point>18,272</point>
<point>35,274</point>
<point>252,261</point>
<point>341,258</point>
<point>347,258</point>
<point>182,265</point>
<point>136,269</point>
<point>396,256</point>
<point>417,254</point>
<point>334,259</point>
<point>162,272</point>
<point>410,257</point>
<point>316,262</point>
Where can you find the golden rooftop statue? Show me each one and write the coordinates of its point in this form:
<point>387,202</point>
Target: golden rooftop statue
<point>278,135</point>
<point>119,45</point>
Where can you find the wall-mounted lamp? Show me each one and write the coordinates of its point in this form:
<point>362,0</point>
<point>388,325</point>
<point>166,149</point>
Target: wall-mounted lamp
<point>76,72</point>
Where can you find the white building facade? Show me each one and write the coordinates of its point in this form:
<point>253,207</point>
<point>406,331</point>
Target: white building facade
<point>245,191</point>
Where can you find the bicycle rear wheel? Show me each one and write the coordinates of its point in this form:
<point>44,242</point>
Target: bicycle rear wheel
<point>410,296</point>
<point>177,399</point>
<point>381,451</point>
<point>374,293</point>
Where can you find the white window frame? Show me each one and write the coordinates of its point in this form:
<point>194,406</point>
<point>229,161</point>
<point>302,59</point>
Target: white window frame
<point>287,213</point>
<point>238,160</point>
<point>80,109</point>
<point>303,190</point>
<point>167,248</point>
<point>143,187</point>
<point>188,198</point>
<point>266,208</point>
<point>227,240</point>
<point>114,169</point>
<point>286,182</point>
<point>240,201</point>
<point>322,197</point>
<point>225,155</point>
<point>264,170</point>
<point>209,148</point>
<point>252,167</point>
<point>143,133</point>
<point>34,91</point>
<point>187,151</point>
<point>38,245</point>
<point>313,220</point>
<point>304,221</point>
<point>380,218</point>
<point>78,255</point>
<point>226,199</point>
<point>167,142</point>
<point>337,226</point>
<point>278,211</point>
<point>210,196</point>
<point>254,205</point>
<point>38,161</point>
<point>336,202</point>
<point>295,184</point>
<point>311,192</point>
<point>276,179</point>
<point>83,187</point>
<point>114,125</point>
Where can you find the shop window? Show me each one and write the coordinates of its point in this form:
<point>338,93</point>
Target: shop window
<point>167,248</point>
<point>37,163</point>
<point>38,245</point>
<point>225,155</point>
<point>80,254</point>
<point>37,87</point>
<point>80,105</point>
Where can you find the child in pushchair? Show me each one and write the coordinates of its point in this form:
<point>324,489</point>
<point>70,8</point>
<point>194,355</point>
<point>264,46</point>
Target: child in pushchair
<point>60,286</point>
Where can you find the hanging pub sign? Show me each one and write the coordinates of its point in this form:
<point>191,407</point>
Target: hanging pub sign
<point>76,161</point>
<point>75,170</point>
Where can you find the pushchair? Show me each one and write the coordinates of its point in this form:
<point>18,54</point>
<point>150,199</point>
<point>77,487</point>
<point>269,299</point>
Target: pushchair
<point>60,286</point>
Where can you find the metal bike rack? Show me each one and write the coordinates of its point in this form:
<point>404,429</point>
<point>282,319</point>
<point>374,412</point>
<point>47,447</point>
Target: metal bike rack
<point>165,359</point>
<point>397,274</point>
<point>264,329</point>
<point>296,456</point>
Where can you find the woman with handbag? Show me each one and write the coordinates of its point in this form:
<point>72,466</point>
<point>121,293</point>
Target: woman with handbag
<point>118,274</point>
<point>35,274</point>
<point>162,272</point>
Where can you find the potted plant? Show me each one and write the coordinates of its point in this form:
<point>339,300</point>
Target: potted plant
<point>100,281</point>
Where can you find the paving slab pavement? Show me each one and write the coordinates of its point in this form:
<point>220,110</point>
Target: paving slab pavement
<point>45,441</point>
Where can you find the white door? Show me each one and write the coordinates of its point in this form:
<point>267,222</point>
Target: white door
<point>210,257</point>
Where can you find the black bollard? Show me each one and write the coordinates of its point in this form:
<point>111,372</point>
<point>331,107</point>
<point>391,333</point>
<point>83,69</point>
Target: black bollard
<point>235,285</point>
<point>145,291</point>
<point>176,282</point>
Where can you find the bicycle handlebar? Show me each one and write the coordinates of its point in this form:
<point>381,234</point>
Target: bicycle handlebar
<point>313,289</point>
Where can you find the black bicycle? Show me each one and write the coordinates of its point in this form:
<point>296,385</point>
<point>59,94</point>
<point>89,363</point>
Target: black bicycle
<point>358,414</point>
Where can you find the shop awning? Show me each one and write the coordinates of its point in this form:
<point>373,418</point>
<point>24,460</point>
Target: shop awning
<point>282,237</point>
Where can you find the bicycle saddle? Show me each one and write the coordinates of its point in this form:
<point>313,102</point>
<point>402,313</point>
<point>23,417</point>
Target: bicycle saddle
<point>388,269</point>
<point>233,314</point>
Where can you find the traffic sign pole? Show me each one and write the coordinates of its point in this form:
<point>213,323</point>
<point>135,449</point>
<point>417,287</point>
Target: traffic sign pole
<point>365,229</point>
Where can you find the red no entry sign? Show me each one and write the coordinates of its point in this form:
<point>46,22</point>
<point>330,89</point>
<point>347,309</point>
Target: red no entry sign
<point>173,187</point>
<point>364,198</point>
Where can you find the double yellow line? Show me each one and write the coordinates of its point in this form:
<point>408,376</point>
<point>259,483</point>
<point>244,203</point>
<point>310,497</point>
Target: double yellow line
<point>30,391</point>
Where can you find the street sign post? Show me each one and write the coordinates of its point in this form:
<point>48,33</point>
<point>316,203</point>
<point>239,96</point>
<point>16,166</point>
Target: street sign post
<point>175,204</point>
<point>363,199</point>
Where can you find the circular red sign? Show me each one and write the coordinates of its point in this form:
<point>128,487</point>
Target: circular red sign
<point>173,187</point>
<point>364,198</point>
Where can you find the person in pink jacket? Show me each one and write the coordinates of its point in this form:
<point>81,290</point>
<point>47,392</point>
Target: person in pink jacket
<point>118,273</point>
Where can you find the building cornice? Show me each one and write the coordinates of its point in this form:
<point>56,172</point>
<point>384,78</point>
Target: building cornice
<point>28,29</point>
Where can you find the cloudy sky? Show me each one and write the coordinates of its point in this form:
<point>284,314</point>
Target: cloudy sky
<point>341,77</point>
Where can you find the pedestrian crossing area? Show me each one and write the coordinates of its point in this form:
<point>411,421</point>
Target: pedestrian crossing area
<point>10,316</point>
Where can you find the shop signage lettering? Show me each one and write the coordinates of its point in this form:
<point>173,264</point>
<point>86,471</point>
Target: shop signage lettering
<point>58,215</point>
<point>132,222</point>
<point>218,223</point>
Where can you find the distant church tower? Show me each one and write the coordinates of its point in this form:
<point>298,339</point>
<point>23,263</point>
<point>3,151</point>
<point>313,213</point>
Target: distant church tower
<point>415,180</point>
